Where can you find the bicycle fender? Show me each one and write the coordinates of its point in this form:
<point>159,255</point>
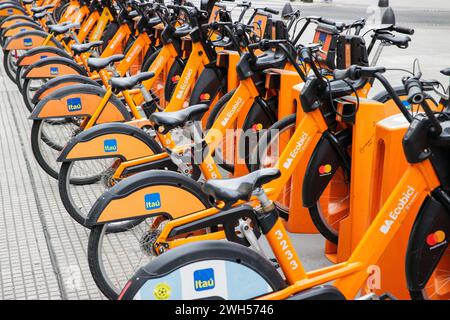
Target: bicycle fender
<point>204,270</point>
<point>109,140</point>
<point>11,20</point>
<point>80,100</point>
<point>53,67</point>
<point>36,54</point>
<point>147,194</point>
<point>18,27</point>
<point>29,39</point>
<point>8,9</point>
<point>208,85</point>
<point>427,243</point>
<point>321,168</point>
<point>60,82</point>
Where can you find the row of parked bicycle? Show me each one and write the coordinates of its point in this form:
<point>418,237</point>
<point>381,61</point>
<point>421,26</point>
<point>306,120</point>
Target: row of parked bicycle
<point>179,136</point>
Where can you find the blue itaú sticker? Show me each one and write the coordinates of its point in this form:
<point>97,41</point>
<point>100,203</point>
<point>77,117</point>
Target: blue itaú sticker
<point>406,104</point>
<point>27,42</point>
<point>152,201</point>
<point>204,279</point>
<point>54,71</point>
<point>110,145</point>
<point>74,104</point>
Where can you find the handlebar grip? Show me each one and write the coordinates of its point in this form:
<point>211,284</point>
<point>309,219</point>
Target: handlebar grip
<point>305,55</point>
<point>414,91</point>
<point>341,74</point>
<point>270,10</point>
<point>403,30</point>
<point>356,72</point>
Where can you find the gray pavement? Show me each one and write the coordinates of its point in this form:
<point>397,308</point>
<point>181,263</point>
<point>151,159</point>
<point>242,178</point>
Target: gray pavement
<point>43,251</point>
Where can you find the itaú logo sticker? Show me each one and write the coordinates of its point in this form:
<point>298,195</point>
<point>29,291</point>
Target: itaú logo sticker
<point>404,203</point>
<point>299,146</point>
<point>436,239</point>
<point>152,201</point>
<point>407,105</point>
<point>27,42</point>
<point>74,104</point>
<point>204,279</point>
<point>110,145</point>
<point>54,71</point>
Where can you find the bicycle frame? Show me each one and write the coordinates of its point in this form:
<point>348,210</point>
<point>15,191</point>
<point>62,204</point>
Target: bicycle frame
<point>417,182</point>
<point>241,101</point>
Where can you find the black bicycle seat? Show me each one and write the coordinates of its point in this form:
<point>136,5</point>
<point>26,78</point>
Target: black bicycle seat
<point>339,88</point>
<point>84,47</point>
<point>133,14</point>
<point>182,31</point>
<point>398,40</point>
<point>41,9</point>
<point>153,22</point>
<point>232,190</point>
<point>446,72</point>
<point>270,59</point>
<point>178,118</point>
<point>101,63</point>
<point>62,28</point>
<point>126,83</point>
<point>39,15</point>
<point>28,1</point>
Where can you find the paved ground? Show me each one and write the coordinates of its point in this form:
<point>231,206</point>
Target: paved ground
<point>43,252</point>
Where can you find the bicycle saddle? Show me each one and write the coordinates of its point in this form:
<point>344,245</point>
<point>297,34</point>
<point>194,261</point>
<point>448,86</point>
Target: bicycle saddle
<point>182,31</point>
<point>133,14</point>
<point>124,83</point>
<point>178,118</point>
<point>62,28</point>
<point>153,22</point>
<point>446,72</point>
<point>101,63</point>
<point>399,40</point>
<point>39,15</point>
<point>232,190</point>
<point>28,1</point>
<point>270,59</point>
<point>339,88</point>
<point>41,9</point>
<point>84,47</point>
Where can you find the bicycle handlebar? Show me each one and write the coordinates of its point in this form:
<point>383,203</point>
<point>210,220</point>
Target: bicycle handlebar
<point>403,30</point>
<point>270,10</point>
<point>414,91</point>
<point>356,72</point>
